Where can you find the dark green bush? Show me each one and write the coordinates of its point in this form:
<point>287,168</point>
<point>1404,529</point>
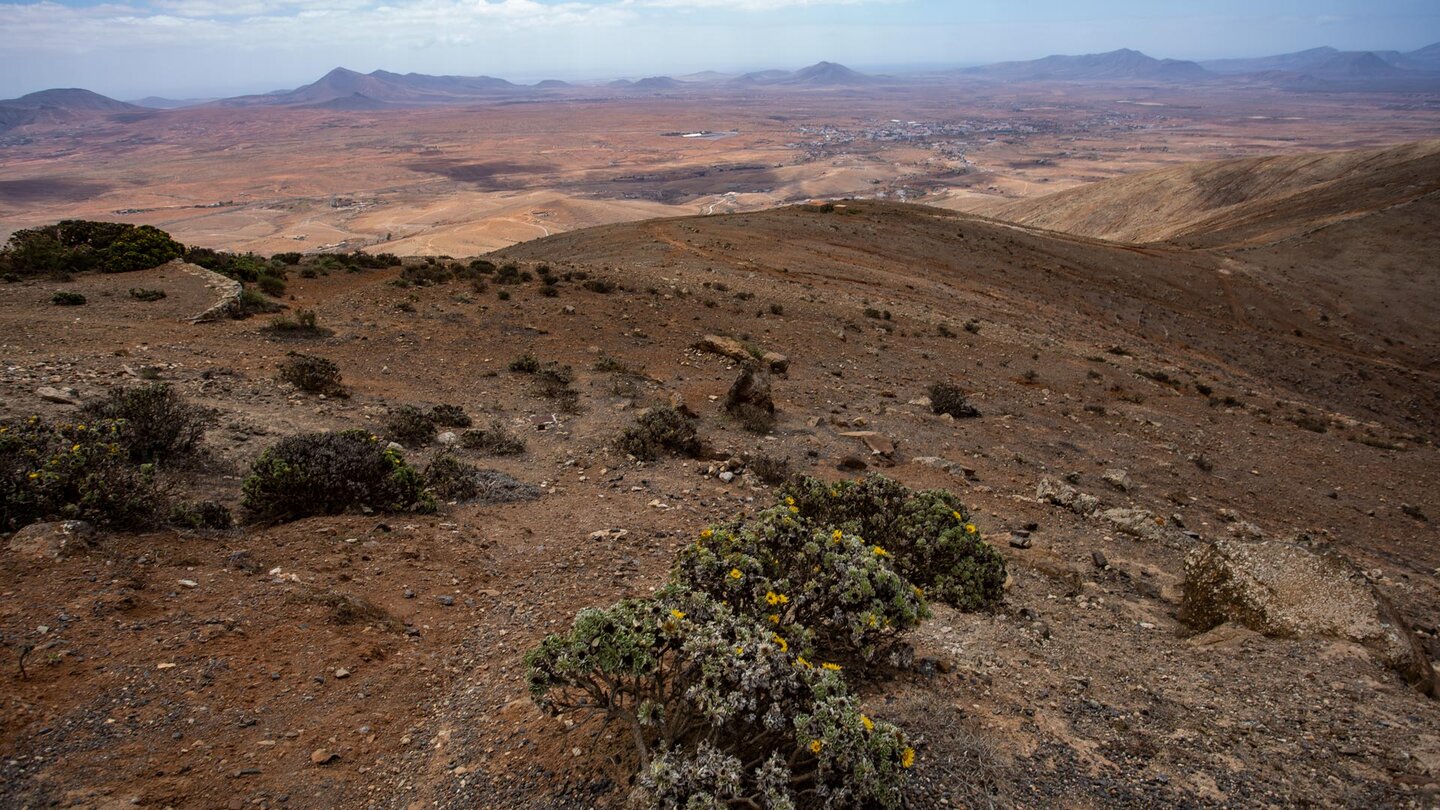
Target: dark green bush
<point>929,534</point>
<point>313,375</point>
<point>772,470</point>
<point>159,424</point>
<point>253,303</point>
<point>271,285</point>
<point>525,364</point>
<point>329,473</point>
<point>454,480</point>
<point>598,285</point>
<point>449,416</point>
<point>659,430</point>
<point>494,440</point>
<point>720,710</point>
<point>200,516</point>
<point>305,324</point>
<point>947,398</point>
<point>79,471</point>
<point>409,426</point>
<point>67,299</point>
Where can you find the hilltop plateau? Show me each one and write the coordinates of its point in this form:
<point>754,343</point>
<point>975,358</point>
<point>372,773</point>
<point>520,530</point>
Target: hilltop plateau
<point>1238,374</point>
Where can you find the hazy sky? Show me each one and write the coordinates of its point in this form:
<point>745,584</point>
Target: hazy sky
<point>183,48</point>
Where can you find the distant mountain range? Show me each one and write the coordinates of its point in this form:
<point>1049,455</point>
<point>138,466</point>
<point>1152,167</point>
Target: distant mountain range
<point>1123,64</point>
<point>1317,69</point>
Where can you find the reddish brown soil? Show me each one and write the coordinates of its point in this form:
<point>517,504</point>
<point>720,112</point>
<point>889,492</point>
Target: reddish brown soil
<point>1082,691</point>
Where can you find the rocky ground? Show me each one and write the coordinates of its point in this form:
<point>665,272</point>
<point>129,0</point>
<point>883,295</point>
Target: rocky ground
<point>374,660</point>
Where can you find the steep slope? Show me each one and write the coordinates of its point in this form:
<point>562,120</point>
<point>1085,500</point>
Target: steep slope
<point>1247,200</point>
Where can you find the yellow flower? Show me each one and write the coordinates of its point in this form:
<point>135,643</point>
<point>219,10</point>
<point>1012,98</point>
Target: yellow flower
<point>872,621</point>
<point>75,449</point>
<point>774,618</point>
<point>867,723</point>
<point>919,591</point>
<point>34,475</point>
<point>907,758</point>
<point>678,614</point>
<point>969,528</point>
<point>801,662</point>
<point>735,573</point>
<point>837,535</point>
<point>880,552</point>
<point>773,598</point>
<point>815,746</point>
<point>706,533</point>
<point>739,650</point>
<point>784,647</point>
<point>79,427</point>
<point>789,501</point>
<point>794,510</point>
<point>830,666</point>
<point>957,515</point>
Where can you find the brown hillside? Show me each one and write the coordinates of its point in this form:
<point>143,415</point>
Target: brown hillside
<point>1243,201</point>
<point>374,660</point>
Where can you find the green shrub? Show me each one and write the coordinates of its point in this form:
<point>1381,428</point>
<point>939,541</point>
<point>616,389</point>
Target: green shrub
<point>449,416</point>
<point>313,375</point>
<point>158,423</point>
<point>67,299</point>
<point>720,710</point>
<point>271,285</point>
<point>77,246</point>
<point>525,364</point>
<point>659,430</point>
<point>832,593</point>
<point>200,516</point>
<point>772,470</point>
<point>329,473</point>
<point>929,534</point>
<point>142,294</point>
<point>409,426</point>
<point>305,323</point>
<point>454,480</point>
<point>253,303</point>
<point>72,471</point>
<point>947,398</point>
<point>494,440</point>
<point>598,285</point>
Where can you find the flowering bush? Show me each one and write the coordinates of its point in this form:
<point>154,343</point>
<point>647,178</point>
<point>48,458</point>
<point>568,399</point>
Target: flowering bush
<point>835,595</point>
<point>933,542</point>
<point>328,473</point>
<point>73,471</point>
<point>721,711</point>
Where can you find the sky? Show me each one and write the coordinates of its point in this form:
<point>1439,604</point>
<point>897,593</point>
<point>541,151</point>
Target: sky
<point>128,49</point>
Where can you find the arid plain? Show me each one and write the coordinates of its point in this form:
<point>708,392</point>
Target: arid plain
<point>458,180</point>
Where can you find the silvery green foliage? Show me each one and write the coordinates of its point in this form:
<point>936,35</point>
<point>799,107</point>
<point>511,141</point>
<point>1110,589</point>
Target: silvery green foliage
<point>720,708</point>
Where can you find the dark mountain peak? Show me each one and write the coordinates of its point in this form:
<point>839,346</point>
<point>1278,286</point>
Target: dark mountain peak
<point>72,98</point>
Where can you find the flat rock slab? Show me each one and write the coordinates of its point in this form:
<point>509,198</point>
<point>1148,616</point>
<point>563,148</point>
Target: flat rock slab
<point>1286,591</point>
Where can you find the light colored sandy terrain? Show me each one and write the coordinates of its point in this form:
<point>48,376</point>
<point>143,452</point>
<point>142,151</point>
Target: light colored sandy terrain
<point>456,180</point>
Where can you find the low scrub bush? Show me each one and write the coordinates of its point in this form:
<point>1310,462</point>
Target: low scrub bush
<point>305,323</point>
<point>142,294</point>
<point>720,710</point>
<point>929,534</point>
<point>201,516</point>
<point>67,299</point>
<point>449,416</point>
<point>313,375</point>
<point>657,431</point>
<point>454,480</point>
<point>947,398</point>
<point>495,440</point>
<point>329,473</point>
<point>525,364</point>
<point>772,470</point>
<point>72,471</point>
<point>158,424</point>
<point>409,426</point>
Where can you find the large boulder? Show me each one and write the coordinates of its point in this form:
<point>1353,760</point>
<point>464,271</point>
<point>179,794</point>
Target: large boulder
<point>52,541</point>
<point>740,353</point>
<point>1286,591</point>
